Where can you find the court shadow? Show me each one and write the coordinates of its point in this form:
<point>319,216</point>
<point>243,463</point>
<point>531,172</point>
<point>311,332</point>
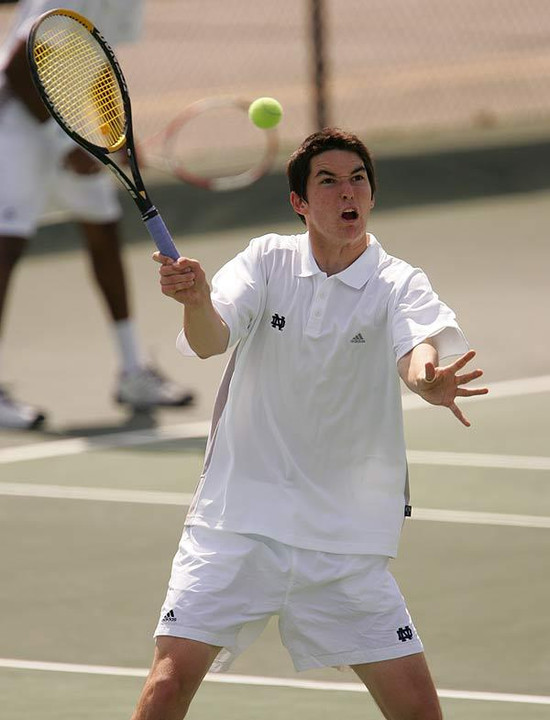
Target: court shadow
<point>137,420</point>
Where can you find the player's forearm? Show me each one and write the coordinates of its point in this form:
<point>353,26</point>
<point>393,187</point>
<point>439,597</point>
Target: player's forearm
<point>412,366</point>
<point>206,332</point>
<point>21,84</point>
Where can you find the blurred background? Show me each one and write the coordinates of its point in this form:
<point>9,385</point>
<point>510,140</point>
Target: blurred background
<point>400,71</point>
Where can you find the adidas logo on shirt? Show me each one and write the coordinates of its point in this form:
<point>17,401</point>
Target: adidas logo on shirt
<point>358,338</point>
<point>169,617</point>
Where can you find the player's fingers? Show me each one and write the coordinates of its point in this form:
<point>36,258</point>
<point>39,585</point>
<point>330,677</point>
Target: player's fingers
<point>457,412</point>
<point>468,377</point>
<point>175,289</point>
<point>429,372</point>
<point>174,271</point>
<point>463,392</point>
<point>464,360</point>
<point>184,263</point>
<point>184,285</point>
<point>162,259</point>
<point>180,268</point>
<point>178,278</point>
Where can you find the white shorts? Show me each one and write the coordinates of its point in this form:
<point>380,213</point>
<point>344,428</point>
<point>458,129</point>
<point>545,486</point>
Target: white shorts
<point>333,610</point>
<point>33,182</point>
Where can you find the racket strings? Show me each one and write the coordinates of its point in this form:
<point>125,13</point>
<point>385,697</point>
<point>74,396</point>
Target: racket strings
<point>80,82</point>
<point>194,145</point>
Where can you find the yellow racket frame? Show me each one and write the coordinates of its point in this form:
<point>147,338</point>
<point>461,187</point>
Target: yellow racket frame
<point>91,104</point>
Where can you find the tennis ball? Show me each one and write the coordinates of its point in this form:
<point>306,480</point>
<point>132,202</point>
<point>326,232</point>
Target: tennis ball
<point>265,112</point>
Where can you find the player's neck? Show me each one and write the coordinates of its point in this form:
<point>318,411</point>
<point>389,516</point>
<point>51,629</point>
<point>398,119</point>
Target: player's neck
<point>332,258</point>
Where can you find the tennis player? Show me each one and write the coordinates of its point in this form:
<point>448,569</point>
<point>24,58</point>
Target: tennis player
<point>42,169</point>
<point>304,490</point>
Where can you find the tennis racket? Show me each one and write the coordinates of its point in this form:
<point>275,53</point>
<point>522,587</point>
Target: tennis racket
<point>80,81</point>
<point>193,146</point>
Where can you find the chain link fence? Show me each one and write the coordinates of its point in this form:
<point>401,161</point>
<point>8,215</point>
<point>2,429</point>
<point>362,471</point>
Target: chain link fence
<point>388,70</point>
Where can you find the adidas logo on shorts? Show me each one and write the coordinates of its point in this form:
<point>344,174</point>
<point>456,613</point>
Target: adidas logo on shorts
<point>169,617</point>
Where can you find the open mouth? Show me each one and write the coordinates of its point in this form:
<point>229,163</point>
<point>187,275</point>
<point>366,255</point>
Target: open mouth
<point>350,215</point>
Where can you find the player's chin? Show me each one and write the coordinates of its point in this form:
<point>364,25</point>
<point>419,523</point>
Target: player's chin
<point>356,228</point>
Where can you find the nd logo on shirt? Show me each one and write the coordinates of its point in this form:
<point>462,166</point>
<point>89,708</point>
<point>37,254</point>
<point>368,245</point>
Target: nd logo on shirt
<point>278,321</point>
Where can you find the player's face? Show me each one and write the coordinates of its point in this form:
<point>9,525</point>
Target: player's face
<point>339,198</point>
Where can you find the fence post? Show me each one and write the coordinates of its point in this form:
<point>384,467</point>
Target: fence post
<point>317,18</point>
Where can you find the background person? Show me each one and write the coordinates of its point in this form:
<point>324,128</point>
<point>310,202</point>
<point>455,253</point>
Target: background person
<point>39,165</point>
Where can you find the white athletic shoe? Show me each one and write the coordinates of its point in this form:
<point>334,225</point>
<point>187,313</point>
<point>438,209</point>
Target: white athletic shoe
<point>18,416</point>
<point>147,388</point>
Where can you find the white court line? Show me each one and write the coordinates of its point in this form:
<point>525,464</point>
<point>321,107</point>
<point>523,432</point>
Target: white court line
<point>199,430</point>
<point>480,460</point>
<point>75,446</point>
<point>13,664</point>
<point>145,497</point>
<point>474,517</point>
<point>63,492</point>
<point>64,448</point>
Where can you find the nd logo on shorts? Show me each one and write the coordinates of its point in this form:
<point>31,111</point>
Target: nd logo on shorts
<point>404,633</point>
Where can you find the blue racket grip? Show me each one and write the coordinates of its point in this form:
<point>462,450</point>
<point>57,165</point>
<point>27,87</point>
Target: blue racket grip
<point>161,236</point>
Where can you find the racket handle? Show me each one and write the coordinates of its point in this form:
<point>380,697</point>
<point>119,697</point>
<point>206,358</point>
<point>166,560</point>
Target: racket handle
<point>160,234</point>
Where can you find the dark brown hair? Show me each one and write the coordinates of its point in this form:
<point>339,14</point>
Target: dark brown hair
<point>299,164</point>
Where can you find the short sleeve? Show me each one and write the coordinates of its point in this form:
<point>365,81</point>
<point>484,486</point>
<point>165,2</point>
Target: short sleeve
<point>420,314</point>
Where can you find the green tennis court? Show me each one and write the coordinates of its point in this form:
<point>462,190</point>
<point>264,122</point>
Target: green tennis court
<point>91,509</point>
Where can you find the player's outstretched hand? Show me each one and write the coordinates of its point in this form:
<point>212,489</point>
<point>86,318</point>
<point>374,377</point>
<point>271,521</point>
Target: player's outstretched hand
<point>442,385</point>
<point>183,279</point>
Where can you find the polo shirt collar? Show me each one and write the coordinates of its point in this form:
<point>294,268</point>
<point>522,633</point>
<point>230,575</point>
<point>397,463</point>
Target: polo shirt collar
<point>306,265</point>
<point>356,275</point>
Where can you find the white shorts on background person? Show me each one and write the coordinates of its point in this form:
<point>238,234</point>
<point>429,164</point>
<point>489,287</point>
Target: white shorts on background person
<point>333,609</point>
<point>33,181</point>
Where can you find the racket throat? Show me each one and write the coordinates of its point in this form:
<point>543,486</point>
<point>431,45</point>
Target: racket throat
<point>149,214</point>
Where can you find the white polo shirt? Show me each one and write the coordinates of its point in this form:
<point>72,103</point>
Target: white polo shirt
<point>307,442</point>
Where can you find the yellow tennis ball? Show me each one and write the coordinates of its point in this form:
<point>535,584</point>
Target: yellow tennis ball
<point>265,112</point>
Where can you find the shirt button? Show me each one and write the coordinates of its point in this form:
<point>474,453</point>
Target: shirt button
<point>317,313</point>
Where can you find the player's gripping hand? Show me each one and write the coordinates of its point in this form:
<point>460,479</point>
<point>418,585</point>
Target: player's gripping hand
<point>442,385</point>
<point>183,280</point>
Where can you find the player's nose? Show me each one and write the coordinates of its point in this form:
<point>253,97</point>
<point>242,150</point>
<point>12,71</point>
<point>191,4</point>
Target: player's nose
<point>346,191</point>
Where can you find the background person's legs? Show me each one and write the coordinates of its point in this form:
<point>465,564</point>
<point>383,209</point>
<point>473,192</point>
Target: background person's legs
<point>13,414</point>
<point>103,242</point>
<point>104,249</point>
<point>93,199</point>
<point>24,176</point>
<point>11,250</point>
<point>139,385</point>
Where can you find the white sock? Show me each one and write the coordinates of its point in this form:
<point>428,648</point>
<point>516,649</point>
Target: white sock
<point>129,350</point>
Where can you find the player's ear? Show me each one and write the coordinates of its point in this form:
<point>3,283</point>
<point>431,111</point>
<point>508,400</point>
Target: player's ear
<point>298,203</point>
